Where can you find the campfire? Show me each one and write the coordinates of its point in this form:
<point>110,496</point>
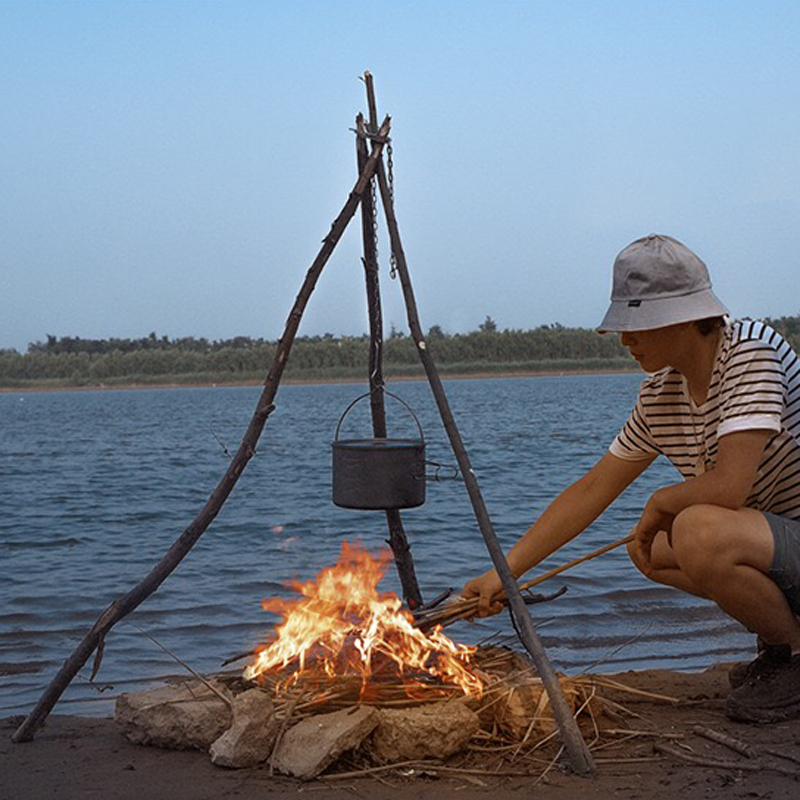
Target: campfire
<point>350,679</point>
<point>341,631</point>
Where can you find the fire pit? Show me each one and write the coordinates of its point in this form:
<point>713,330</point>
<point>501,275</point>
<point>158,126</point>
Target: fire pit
<point>349,672</point>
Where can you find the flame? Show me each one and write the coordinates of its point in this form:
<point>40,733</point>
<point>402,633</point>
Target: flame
<point>341,625</point>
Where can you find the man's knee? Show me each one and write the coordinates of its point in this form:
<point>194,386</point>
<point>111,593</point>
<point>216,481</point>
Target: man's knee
<point>697,529</point>
<point>702,548</point>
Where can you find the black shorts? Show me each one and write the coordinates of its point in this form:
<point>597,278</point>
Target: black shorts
<point>785,566</point>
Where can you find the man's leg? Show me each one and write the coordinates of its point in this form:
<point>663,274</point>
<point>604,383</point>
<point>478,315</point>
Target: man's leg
<point>664,566</point>
<point>728,554</point>
<point>729,557</point>
<point>725,555</point>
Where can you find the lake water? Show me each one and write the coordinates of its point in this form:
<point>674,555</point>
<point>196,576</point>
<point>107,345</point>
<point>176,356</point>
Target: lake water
<point>96,485</point>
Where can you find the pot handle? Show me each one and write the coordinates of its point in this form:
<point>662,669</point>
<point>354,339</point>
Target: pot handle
<point>367,394</point>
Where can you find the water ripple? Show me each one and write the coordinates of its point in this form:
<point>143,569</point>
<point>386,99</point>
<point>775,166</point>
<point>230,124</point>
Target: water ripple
<point>90,506</point>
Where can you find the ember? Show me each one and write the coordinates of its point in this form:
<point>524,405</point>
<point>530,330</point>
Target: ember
<point>342,627</point>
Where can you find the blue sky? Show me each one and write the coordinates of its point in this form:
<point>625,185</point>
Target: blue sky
<point>173,166</point>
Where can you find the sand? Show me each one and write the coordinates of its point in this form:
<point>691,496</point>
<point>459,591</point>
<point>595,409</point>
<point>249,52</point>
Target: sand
<point>75,757</point>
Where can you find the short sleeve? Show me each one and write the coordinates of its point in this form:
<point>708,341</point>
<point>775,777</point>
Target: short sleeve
<point>753,388</point>
<point>635,441</point>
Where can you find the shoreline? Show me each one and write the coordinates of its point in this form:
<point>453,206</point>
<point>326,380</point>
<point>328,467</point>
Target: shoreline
<point>311,381</point>
<point>653,751</point>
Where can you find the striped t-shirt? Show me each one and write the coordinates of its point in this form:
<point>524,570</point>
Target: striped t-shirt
<point>755,385</point>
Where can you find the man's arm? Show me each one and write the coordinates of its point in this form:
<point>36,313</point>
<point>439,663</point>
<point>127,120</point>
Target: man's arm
<point>728,485</point>
<point>567,516</point>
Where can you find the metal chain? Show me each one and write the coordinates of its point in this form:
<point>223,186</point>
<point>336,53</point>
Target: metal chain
<point>376,299</point>
<point>390,166</point>
<point>377,342</point>
<point>373,193</point>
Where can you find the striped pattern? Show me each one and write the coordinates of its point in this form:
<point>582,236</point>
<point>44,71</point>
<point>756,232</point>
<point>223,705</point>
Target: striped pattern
<point>755,386</point>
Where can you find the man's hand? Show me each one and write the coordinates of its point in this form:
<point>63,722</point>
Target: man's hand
<point>654,519</point>
<point>486,588</point>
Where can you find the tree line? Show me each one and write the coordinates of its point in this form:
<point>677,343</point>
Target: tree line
<point>151,359</point>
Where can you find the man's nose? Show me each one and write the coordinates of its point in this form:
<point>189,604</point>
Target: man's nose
<point>628,339</point>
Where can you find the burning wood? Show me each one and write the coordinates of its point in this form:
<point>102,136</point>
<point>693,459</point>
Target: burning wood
<point>342,627</point>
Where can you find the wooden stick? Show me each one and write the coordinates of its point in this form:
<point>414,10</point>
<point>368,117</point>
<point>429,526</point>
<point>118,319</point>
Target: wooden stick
<point>398,541</point>
<point>127,603</point>
<point>771,751</point>
<point>579,756</point>
<point>574,563</point>
<point>612,684</point>
<point>207,683</point>
<point>736,745</point>
<point>288,711</point>
<point>718,764</point>
<point>383,768</point>
<point>467,609</point>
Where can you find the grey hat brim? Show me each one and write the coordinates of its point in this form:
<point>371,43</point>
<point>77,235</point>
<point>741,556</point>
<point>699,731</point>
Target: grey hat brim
<point>645,315</point>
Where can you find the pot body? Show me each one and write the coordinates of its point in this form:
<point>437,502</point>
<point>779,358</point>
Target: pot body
<point>378,474</point>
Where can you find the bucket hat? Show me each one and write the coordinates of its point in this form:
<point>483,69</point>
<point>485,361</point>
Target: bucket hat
<point>657,282</point>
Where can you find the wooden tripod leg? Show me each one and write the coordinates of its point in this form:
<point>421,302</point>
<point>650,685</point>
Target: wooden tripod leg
<point>398,541</point>
<point>577,751</point>
<point>130,601</point>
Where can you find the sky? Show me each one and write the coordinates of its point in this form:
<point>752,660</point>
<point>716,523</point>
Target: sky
<point>172,166</point>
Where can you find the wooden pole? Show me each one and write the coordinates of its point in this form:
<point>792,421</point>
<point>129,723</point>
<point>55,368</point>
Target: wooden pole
<point>124,605</point>
<point>579,756</point>
<point>398,541</point>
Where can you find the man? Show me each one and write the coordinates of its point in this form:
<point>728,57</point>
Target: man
<point>722,403</point>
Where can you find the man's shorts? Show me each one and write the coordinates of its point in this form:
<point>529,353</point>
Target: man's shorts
<point>785,566</point>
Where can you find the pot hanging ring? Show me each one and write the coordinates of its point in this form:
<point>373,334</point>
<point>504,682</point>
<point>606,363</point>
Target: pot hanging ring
<point>368,394</point>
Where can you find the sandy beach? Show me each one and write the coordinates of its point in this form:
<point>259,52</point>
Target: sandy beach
<point>663,756</point>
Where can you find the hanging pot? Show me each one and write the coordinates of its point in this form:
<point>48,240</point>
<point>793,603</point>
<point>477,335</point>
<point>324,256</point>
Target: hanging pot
<point>378,474</point>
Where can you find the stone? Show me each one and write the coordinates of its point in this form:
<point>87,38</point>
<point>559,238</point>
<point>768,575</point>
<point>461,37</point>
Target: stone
<point>185,717</point>
<point>312,745</point>
<point>436,730</point>
<point>251,737</point>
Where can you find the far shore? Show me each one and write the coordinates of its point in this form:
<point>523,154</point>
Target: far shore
<point>101,387</point>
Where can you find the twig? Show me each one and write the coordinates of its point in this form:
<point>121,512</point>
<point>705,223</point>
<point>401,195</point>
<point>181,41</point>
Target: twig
<point>431,604</point>
<point>612,684</point>
<point>339,776</point>
<point>549,766</point>
<point>427,766</point>
<point>219,441</point>
<point>632,733</point>
<point>736,745</point>
<point>485,772</point>
<point>287,715</point>
<point>771,751</point>
<point>196,674</point>
<point>616,650</point>
<point>237,657</point>
<point>746,766</point>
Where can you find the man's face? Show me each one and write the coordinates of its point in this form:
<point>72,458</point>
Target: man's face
<point>659,347</point>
